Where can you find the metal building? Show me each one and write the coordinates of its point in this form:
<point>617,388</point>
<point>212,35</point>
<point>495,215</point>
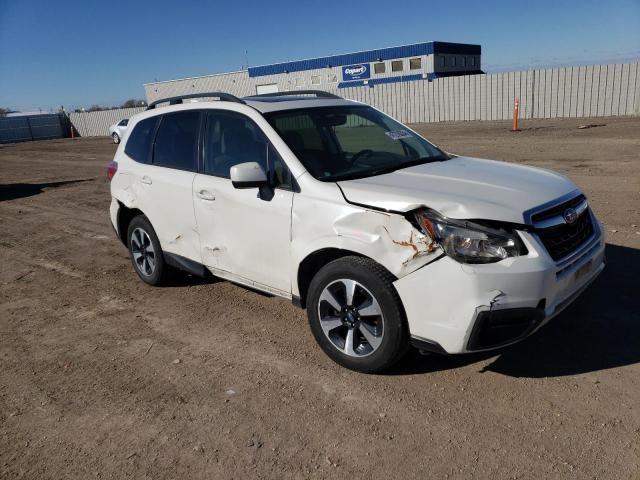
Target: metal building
<point>406,63</point>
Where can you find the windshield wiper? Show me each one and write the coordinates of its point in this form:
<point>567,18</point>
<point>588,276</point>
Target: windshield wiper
<point>385,170</point>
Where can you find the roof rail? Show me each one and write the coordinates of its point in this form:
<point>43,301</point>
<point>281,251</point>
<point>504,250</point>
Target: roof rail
<point>226,97</point>
<point>317,93</point>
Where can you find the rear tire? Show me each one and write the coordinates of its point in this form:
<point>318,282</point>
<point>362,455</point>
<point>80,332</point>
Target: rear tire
<point>116,138</point>
<point>356,315</point>
<point>146,255</point>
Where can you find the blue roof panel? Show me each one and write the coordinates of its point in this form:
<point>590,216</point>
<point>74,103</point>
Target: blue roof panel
<point>389,53</point>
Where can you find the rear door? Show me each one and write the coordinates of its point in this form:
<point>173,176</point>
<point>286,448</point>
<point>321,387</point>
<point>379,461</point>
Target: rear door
<point>245,233</point>
<point>163,185</point>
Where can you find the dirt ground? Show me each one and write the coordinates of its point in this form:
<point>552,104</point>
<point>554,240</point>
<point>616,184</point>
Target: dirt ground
<point>102,376</point>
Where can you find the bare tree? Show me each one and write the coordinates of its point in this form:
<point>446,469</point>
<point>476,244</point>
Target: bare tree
<point>132,102</point>
<point>4,111</point>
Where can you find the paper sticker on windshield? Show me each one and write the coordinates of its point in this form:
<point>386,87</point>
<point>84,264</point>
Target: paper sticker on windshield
<point>397,134</point>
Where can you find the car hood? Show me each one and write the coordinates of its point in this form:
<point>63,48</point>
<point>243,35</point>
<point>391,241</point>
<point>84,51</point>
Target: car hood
<point>462,188</point>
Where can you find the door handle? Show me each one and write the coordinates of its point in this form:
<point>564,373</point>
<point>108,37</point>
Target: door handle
<point>206,195</point>
<point>146,180</point>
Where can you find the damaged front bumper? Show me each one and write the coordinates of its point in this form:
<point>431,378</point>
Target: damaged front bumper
<point>456,308</point>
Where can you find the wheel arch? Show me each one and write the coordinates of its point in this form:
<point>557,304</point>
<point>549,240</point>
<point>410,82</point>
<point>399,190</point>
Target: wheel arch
<point>313,262</point>
<point>125,215</point>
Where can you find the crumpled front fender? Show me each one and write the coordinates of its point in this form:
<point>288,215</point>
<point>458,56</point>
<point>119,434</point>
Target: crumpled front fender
<point>388,238</point>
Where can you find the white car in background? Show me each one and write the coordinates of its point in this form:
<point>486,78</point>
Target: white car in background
<point>386,240</point>
<point>117,131</point>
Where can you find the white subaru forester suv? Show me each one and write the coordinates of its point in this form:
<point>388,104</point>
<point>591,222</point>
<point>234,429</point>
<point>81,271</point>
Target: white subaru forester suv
<point>385,239</point>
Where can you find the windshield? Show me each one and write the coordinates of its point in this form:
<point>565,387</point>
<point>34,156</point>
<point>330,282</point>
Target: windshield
<point>341,143</point>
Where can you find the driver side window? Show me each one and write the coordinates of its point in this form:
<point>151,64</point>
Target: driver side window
<point>231,139</point>
<point>359,133</point>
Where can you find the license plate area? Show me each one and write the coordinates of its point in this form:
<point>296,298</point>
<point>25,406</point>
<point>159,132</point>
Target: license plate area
<point>583,270</point>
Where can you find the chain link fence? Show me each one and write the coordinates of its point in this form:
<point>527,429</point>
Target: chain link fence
<point>34,127</point>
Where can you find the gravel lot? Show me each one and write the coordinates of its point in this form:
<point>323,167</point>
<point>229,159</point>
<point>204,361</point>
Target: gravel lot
<point>102,376</point>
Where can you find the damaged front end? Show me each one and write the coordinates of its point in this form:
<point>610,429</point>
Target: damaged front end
<point>472,299</point>
<point>494,328</point>
<point>389,238</point>
<point>405,242</point>
<point>467,241</point>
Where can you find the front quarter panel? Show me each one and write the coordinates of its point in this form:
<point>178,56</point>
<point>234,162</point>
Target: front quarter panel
<point>322,219</point>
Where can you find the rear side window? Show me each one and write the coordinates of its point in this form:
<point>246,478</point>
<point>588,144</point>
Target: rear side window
<point>139,144</point>
<point>176,144</point>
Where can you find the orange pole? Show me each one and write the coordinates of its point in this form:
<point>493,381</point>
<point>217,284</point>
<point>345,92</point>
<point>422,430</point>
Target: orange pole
<point>71,127</point>
<point>516,106</point>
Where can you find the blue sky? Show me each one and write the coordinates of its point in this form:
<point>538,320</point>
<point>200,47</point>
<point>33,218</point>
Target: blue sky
<point>79,53</point>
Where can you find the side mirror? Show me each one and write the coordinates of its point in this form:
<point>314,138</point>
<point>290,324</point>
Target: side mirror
<point>248,175</point>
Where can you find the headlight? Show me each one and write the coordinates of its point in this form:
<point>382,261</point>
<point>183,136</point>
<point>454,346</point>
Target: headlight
<point>468,242</point>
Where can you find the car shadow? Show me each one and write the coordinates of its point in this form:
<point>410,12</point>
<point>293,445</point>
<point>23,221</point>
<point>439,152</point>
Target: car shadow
<point>13,191</point>
<point>600,330</point>
<point>183,279</point>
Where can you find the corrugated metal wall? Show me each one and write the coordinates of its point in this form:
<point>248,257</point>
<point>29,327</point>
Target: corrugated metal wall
<point>584,91</point>
<point>96,124</point>
<point>581,91</point>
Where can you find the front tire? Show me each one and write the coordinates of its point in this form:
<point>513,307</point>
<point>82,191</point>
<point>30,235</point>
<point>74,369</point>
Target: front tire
<point>116,138</point>
<point>356,316</point>
<point>146,254</point>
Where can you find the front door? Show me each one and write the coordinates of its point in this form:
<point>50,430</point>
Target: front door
<point>245,234</point>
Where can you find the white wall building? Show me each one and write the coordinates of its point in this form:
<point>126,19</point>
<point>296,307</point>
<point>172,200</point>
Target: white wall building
<point>406,63</point>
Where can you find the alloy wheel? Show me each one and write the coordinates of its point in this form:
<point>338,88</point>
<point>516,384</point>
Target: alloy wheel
<point>351,318</point>
<point>143,252</point>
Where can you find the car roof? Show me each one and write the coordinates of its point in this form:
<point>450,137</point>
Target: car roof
<point>266,104</point>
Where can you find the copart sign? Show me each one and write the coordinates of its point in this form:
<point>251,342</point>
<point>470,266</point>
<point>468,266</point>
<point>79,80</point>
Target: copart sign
<point>356,72</point>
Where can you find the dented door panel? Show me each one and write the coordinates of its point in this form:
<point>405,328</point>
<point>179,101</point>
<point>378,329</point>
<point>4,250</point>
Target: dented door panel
<point>243,233</point>
<point>173,220</point>
<point>147,188</point>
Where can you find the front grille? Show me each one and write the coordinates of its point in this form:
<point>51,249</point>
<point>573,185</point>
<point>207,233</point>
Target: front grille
<point>558,209</point>
<point>563,239</point>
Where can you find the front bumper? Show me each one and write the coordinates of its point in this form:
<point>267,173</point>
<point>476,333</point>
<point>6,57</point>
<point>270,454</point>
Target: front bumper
<point>459,308</point>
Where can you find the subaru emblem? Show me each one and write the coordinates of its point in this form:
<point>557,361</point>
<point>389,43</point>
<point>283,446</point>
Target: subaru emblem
<point>570,216</point>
